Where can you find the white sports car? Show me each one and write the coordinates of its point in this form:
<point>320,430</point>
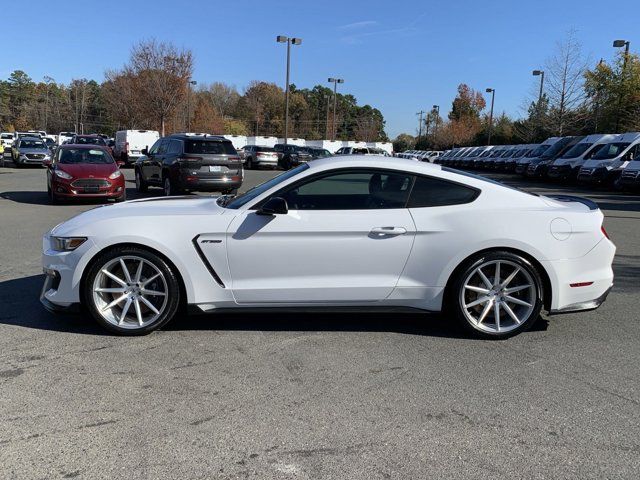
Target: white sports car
<point>342,231</point>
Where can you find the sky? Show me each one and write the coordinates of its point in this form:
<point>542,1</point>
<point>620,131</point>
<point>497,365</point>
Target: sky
<point>398,56</point>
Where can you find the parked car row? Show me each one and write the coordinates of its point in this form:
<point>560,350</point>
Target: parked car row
<point>611,160</point>
<point>422,155</point>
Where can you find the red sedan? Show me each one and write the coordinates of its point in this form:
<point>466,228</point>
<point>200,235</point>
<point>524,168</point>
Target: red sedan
<point>84,171</point>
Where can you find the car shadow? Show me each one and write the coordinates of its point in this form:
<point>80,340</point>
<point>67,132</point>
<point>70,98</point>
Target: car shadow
<point>42,198</point>
<point>21,307</point>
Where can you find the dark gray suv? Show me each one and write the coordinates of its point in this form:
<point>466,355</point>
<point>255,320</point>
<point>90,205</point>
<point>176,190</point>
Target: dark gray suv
<point>186,162</point>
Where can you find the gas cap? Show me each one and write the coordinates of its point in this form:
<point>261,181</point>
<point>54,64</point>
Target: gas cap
<point>560,229</point>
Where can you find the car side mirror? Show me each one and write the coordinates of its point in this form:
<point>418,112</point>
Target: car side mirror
<point>145,151</point>
<point>274,206</point>
<point>46,163</point>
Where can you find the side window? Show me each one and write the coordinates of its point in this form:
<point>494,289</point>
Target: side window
<point>632,154</point>
<point>175,147</point>
<point>154,149</point>
<point>164,143</point>
<point>434,192</point>
<point>351,190</point>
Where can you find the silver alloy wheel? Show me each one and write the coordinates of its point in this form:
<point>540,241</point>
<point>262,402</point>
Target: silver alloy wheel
<point>167,186</point>
<point>129,300</point>
<point>498,296</point>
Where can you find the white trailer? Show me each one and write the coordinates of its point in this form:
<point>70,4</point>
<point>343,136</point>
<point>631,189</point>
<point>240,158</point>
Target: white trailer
<point>294,141</point>
<point>238,141</point>
<point>263,141</point>
<point>354,144</point>
<point>386,146</point>
<point>331,145</point>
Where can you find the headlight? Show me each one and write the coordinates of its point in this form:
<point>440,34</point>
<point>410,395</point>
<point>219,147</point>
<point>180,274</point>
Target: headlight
<point>66,244</point>
<point>63,174</point>
<point>115,174</point>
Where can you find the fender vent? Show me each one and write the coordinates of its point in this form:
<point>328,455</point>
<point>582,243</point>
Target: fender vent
<point>202,256</point>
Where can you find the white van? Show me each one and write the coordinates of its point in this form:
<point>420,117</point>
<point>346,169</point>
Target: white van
<point>130,143</point>
<point>606,166</point>
<point>65,137</point>
<point>523,163</point>
<point>568,165</point>
<point>331,145</point>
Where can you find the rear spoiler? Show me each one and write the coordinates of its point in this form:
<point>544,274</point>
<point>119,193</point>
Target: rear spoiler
<point>570,198</point>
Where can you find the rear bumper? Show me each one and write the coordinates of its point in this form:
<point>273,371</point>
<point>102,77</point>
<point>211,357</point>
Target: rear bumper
<point>211,184</point>
<point>583,306</point>
<point>594,268</point>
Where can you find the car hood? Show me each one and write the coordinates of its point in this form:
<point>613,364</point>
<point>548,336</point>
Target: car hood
<point>88,170</point>
<point>34,150</point>
<point>162,207</point>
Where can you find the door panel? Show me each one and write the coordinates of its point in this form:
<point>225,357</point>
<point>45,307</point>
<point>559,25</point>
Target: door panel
<point>312,256</point>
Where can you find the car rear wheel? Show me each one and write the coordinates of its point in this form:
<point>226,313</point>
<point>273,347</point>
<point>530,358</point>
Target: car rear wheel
<point>169,187</point>
<point>141,185</point>
<point>131,291</point>
<point>496,295</point>
<point>249,164</point>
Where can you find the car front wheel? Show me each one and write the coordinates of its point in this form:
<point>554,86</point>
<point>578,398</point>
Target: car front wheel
<point>496,295</point>
<point>131,291</point>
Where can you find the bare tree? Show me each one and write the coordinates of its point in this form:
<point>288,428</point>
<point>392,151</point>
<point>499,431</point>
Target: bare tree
<point>162,72</point>
<point>564,83</point>
<point>223,97</point>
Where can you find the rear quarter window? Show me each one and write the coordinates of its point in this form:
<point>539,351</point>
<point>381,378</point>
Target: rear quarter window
<point>435,192</point>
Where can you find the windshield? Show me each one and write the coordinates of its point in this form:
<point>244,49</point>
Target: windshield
<point>577,150</point>
<point>84,155</point>
<point>89,141</point>
<point>209,147</point>
<point>486,154</point>
<point>249,195</point>
<point>536,152</point>
<point>7,135</point>
<point>611,150</point>
<point>556,148</point>
<point>506,154</point>
<point>497,153</point>
<point>32,144</point>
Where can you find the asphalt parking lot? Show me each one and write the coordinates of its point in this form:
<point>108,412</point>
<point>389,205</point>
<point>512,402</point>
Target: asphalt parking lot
<point>340,396</point>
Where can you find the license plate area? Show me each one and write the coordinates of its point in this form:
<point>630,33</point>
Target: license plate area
<point>215,168</point>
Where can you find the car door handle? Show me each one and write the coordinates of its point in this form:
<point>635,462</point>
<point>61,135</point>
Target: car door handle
<point>388,231</point>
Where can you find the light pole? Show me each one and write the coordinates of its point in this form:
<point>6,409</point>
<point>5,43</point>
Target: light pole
<point>435,126</point>
<point>191,82</point>
<point>619,44</point>
<point>492,91</point>
<point>335,82</point>
<point>289,42</point>
<point>539,73</point>
<point>420,113</point>
<point>327,98</point>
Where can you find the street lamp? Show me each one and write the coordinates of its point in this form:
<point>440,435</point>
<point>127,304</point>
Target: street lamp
<point>620,44</point>
<point>289,42</point>
<point>539,73</point>
<point>191,82</point>
<point>335,82</point>
<point>435,127</point>
<point>492,91</point>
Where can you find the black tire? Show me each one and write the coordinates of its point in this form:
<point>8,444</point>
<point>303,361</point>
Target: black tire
<point>169,187</point>
<point>248,164</point>
<point>122,198</point>
<point>458,294</point>
<point>141,184</point>
<point>170,276</point>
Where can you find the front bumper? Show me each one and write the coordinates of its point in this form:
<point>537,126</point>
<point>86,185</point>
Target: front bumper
<point>560,172</point>
<point>67,189</point>
<point>537,170</point>
<point>509,166</point>
<point>596,176</point>
<point>521,168</point>
<point>630,179</point>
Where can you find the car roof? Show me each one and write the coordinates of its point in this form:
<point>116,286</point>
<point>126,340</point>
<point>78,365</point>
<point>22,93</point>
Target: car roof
<point>197,136</point>
<point>84,146</point>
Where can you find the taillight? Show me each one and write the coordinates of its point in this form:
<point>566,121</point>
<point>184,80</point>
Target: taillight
<point>234,159</point>
<point>604,232</point>
<point>190,162</point>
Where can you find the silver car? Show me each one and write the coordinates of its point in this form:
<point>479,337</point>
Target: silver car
<point>29,151</point>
